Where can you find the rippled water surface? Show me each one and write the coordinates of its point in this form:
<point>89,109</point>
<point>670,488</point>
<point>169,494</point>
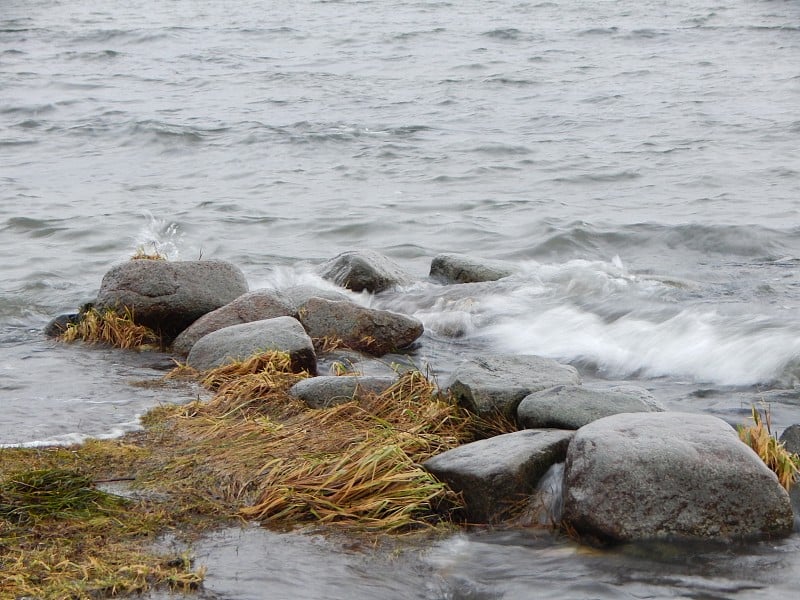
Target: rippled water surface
<point>637,161</point>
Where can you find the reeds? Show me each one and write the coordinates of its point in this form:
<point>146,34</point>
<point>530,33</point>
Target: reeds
<point>356,464</point>
<point>114,328</point>
<point>760,438</point>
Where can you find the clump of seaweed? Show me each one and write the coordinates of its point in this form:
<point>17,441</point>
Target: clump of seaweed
<point>62,538</point>
<point>112,327</point>
<point>52,493</point>
<point>760,438</point>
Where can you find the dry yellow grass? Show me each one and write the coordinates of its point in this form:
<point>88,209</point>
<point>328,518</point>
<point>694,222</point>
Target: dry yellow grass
<point>760,438</point>
<point>281,463</point>
<point>61,538</point>
<point>113,328</point>
<point>252,452</point>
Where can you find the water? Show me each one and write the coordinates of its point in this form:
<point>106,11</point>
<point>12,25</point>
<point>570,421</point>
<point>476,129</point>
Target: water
<point>637,161</point>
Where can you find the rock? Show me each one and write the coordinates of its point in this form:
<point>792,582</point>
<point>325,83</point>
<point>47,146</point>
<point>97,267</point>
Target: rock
<point>252,306</point>
<point>342,361</point>
<point>791,439</point>
<point>376,332</point>
<point>495,474</point>
<point>498,383</point>
<point>238,342</point>
<point>360,270</point>
<point>461,268</point>
<point>670,475</point>
<point>322,392</point>
<point>573,406</point>
<point>298,295</point>
<point>170,296</point>
<point>59,324</point>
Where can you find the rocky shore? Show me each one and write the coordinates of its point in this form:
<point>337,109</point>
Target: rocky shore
<point>631,471</point>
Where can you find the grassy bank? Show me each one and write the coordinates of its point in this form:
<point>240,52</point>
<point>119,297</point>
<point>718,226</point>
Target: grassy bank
<point>252,453</point>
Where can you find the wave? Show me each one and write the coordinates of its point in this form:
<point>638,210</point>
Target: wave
<point>748,241</point>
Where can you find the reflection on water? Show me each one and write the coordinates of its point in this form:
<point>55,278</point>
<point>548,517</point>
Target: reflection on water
<point>255,563</point>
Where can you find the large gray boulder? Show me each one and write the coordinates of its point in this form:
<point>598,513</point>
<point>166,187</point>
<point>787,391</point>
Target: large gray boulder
<point>667,475</point>
<point>239,342</point>
<point>322,392</point>
<point>573,406</point>
<point>360,270</point>
<point>496,474</point>
<point>375,332</point>
<point>252,306</point>
<point>169,296</point>
<point>461,268</point>
<point>497,384</point>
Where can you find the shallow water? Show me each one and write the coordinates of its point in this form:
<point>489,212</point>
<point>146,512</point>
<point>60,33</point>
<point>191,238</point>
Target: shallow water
<point>638,162</point>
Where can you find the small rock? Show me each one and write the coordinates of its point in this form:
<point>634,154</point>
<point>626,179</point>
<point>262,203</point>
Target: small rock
<point>59,325</point>
<point>239,342</point>
<point>665,475</point>
<point>322,392</point>
<point>461,268</point>
<point>252,306</point>
<point>169,296</point>
<point>495,474</point>
<point>573,406</point>
<point>498,383</point>
<point>360,270</point>
<point>791,439</point>
<point>376,332</point>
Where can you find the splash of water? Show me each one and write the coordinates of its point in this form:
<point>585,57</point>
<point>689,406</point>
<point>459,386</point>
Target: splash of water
<point>158,237</point>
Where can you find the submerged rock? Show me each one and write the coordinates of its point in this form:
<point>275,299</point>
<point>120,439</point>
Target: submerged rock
<point>169,296</point>
<point>239,342</point>
<point>573,406</point>
<point>496,474</point>
<point>360,270</point>
<point>322,392</point>
<point>375,332</point>
<point>252,306</point>
<point>498,383</point>
<point>670,475</point>
<point>461,268</point>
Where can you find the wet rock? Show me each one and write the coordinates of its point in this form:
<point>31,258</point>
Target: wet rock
<point>498,383</point>
<point>375,332</point>
<point>238,342</point>
<point>252,306</point>
<point>573,406</point>
<point>59,325</point>
<point>670,475</point>
<point>298,295</point>
<point>791,438</point>
<point>461,268</point>
<point>169,296</point>
<point>342,361</point>
<point>495,474</point>
<point>360,270</point>
<point>321,392</point>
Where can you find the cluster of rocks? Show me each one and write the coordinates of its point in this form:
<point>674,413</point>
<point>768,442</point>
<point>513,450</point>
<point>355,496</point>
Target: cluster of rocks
<point>631,470</point>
